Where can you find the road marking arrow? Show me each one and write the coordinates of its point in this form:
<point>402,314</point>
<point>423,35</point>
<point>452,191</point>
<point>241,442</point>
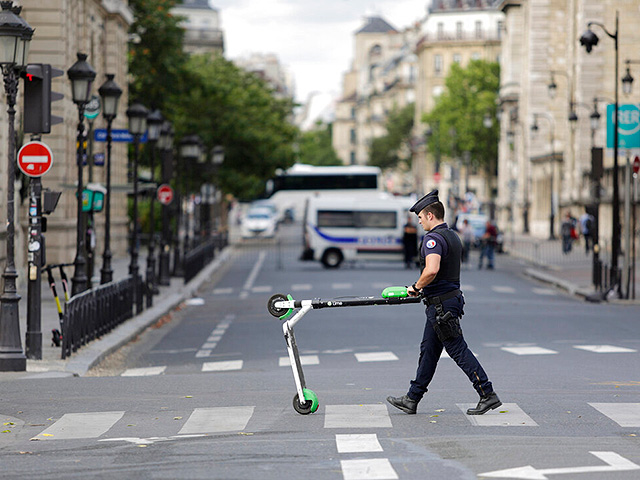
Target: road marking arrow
<point>616,463</point>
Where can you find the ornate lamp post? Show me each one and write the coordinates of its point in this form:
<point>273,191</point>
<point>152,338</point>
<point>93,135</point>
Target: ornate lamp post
<point>154,123</point>
<point>590,40</point>
<point>81,75</point>
<point>190,151</point>
<point>110,93</point>
<point>137,115</point>
<point>165,145</point>
<point>15,35</point>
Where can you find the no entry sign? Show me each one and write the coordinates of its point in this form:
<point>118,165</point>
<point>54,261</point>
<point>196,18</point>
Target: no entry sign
<point>35,159</point>
<point>165,194</point>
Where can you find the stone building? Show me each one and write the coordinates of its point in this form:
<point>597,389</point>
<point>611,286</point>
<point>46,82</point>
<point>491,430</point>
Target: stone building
<point>382,77</point>
<point>268,67</point>
<point>201,24</point>
<point>453,32</point>
<point>98,28</point>
<point>544,171</point>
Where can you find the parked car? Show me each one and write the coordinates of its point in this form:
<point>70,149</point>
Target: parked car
<point>259,222</point>
<point>478,222</point>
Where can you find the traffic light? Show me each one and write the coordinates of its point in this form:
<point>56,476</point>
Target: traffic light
<point>38,97</point>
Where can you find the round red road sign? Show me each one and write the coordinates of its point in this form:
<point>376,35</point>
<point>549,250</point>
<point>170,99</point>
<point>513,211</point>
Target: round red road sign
<point>165,194</point>
<point>636,164</point>
<point>35,159</point>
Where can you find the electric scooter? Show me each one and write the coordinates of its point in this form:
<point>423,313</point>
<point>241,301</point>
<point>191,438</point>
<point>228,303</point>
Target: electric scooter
<point>280,306</point>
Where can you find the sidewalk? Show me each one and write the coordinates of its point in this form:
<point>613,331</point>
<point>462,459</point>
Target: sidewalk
<point>51,365</point>
<point>572,272</point>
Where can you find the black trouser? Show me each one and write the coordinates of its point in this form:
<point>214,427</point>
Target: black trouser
<point>431,349</point>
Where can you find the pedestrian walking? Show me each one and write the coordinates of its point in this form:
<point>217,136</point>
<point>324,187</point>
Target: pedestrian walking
<point>410,243</point>
<point>489,240</point>
<point>586,228</point>
<point>568,232</point>
<point>439,284</point>
<point>468,237</point>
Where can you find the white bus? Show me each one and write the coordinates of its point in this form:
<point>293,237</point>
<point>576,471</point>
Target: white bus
<point>290,189</point>
<point>339,228</point>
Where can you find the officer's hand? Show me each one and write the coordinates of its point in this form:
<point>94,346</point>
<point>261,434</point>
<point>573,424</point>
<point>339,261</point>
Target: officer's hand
<point>412,292</point>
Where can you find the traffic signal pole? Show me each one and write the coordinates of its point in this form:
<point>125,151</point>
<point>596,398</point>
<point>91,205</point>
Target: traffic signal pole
<point>36,259</point>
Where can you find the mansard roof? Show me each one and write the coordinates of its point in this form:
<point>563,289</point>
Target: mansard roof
<point>376,25</point>
<point>196,4</point>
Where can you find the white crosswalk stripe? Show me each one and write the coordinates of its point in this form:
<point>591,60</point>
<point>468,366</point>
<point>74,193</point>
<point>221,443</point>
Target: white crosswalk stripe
<point>217,420</point>
<point>297,287</point>
<point>624,414</point>
<point>368,469</point>
<point>80,425</point>
<point>503,289</point>
<point>529,350</point>
<point>222,291</point>
<point>375,357</point>
<point>304,360</point>
<point>358,443</point>
<point>544,291</point>
<point>507,415</point>
<point>356,416</point>
<point>222,366</point>
<point>143,372</point>
<point>604,349</point>
<point>342,286</point>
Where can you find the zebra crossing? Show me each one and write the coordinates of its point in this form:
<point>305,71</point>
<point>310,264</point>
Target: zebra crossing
<point>308,358</point>
<point>241,418</point>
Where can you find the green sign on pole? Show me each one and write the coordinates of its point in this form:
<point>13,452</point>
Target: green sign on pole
<point>628,125</point>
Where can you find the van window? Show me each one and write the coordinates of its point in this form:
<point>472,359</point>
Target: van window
<point>376,219</point>
<point>335,218</point>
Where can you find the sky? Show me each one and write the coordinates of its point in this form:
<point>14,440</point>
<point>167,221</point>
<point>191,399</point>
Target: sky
<point>312,38</point>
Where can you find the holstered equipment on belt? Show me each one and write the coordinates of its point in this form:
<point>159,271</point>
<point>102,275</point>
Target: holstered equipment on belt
<point>446,325</point>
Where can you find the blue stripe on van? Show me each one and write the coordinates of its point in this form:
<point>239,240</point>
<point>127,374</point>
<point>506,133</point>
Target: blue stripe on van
<point>344,239</point>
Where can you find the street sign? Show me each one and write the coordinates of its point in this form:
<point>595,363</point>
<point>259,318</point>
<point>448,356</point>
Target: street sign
<point>628,125</point>
<point>92,108</point>
<point>437,177</point>
<point>165,194</point>
<point>35,159</point>
<point>117,135</point>
<point>636,164</point>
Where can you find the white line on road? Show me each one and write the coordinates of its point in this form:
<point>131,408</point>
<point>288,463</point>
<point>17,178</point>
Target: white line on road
<point>222,291</point>
<point>222,366</point>
<point>217,420</point>
<point>376,357</point>
<point>528,350</point>
<point>143,372</point>
<point>507,415</point>
<point>624,414</point>
<point>368,469</point>
<point>254,271</point>
<point>304,360</point>
<point>358,443</point>
<point>301,286</point>
<point>544,291</point>
<point>501,289</point>
<point>342,286</point>
<point>604,349</point>
<point>80,425</point>
<point>356,416</point>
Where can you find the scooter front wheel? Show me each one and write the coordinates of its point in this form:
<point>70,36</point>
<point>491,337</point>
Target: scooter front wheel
<point>310,404</point>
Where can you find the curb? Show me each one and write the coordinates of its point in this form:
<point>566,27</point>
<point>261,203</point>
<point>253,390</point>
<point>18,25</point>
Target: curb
<point>90,355</point>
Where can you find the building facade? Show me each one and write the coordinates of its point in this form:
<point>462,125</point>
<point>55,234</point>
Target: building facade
<point>99,28</point>
<point>454,32</point>
<point>546,133</point>
<point>268,67</point>
<point>201,23</point>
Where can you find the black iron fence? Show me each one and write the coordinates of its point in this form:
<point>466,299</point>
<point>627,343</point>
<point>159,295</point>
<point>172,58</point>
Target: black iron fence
<point>201,255</point>
<point>95,312</point>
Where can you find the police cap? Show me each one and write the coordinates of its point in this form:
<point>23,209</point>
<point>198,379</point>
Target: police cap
<point>428,199</point>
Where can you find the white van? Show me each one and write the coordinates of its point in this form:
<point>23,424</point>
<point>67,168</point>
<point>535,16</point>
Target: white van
<point>338,228</point>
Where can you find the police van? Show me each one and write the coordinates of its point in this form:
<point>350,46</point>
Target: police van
<point>339,228</point>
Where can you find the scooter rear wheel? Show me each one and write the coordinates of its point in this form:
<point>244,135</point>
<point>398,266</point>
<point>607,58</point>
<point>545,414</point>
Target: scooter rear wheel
<point>310,404</point>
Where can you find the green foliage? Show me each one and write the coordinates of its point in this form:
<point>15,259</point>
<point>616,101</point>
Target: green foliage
<point>156,62</point>
<point>385,151</point>
<point>315,147</point>
<point>470,95</point>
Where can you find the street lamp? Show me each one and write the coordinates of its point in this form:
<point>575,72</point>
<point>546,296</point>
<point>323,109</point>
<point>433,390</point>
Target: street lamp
<point>110,93</point>
<point>552,158</point>
<point>81,75</point>
<point>590,40</point>
<point>165,145</point>
<point>190,151</point>
<point>627,80</point>
<point>137,115</point>
<point>15,36</point>
<point>154,122</point>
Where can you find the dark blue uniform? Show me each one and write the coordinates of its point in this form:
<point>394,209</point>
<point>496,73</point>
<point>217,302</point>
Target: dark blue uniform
<point>445,242</point>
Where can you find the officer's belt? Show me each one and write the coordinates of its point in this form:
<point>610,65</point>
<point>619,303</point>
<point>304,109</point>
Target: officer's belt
<point>441,298</point>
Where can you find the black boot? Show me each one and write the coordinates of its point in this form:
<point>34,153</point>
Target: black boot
<point>404,403</point>
<point>486,403</point>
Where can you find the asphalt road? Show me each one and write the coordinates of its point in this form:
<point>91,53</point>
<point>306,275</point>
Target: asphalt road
<point>207,391</point>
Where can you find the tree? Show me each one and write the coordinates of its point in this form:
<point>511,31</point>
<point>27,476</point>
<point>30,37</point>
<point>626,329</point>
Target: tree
<point>386,151</point>
<point>315,147</point>
<point>457,120</point>
<point>228,106</point>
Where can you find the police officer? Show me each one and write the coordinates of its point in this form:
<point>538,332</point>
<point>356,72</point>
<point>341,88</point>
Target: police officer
<point>439,284</point>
